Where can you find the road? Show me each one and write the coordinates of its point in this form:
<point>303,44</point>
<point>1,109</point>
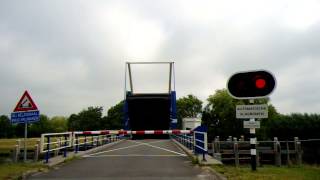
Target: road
<point>131,159</point>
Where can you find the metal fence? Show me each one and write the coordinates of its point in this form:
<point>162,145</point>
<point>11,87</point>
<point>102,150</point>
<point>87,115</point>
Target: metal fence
<point>53,144</point>
<point>185,139</point>
<point>196,142</point>
<point>276,152</point>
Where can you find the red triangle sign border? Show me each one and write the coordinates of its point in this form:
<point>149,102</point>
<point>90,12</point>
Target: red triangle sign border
<point>19,107</point>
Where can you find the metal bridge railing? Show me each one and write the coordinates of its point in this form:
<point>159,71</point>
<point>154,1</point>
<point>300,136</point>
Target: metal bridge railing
<point>185,139</point>
<point>55,143</point>
<point>196,141</point>
<point>204,142</point>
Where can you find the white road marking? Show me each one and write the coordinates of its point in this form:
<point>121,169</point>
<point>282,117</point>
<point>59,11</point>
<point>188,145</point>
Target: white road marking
<point>164,149</point>
<point>138,155</point>
<point>113,150</point>
<point>139,144</point>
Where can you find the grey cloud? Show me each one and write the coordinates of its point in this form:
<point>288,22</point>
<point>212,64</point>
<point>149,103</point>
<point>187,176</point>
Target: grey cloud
<point>71,55</point>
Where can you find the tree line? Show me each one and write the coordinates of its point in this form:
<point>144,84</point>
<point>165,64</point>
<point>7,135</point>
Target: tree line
<point>219,115</point>
<point>88,119</point>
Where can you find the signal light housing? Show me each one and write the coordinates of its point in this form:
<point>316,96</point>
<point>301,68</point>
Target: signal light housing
<point>251,84</point>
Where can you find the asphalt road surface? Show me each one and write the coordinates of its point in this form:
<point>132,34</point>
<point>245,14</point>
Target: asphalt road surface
<point>131,159</point>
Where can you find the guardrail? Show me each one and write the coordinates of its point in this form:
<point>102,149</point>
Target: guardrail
<point>86,141</point>
<point>55,143</point>
<point>196,141</point>
<point>204,142</point>
<point>83,140</point>
<point>201,143</point>
<point>50,142</point>
<point>185,139</point>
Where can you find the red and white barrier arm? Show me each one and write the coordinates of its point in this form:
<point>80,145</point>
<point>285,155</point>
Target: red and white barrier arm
<point>142,132</point>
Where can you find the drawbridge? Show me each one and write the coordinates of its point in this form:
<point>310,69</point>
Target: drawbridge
<point>153,110</point>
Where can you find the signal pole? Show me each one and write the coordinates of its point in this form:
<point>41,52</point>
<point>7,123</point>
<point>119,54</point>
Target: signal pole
<point>251,85</point>
<point>253,142</point>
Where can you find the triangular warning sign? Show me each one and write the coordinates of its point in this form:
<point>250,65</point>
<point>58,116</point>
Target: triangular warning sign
<point>25,103</point>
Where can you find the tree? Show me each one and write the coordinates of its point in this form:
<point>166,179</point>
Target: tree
<point>114,118</point>
<point>189,106</point>
<point>285,127</point>
<point>88,119</point>
<point>220,115</point>
<point>73,122</point>
<point>5,127</point>
<point>40,127</point>
<point>58,124</point>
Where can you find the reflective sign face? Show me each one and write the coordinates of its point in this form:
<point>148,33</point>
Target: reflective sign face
<point>253,84</point>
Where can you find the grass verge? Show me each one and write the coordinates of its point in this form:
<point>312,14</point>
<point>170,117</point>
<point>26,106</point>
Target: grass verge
<point>16,170</point>
<point>7,145</point>
<point>304,172</point>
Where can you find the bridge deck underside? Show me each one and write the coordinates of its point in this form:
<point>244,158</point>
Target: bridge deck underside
<point>149,112</point>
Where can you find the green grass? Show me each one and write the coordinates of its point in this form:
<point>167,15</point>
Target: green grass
<point>15,170</point>
<point>304,172</point>
<point>7,145</point>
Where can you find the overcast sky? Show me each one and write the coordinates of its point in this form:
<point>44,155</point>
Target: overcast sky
<point>71,54</point>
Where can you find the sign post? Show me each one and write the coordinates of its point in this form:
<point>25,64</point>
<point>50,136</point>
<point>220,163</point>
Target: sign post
<point>25,141</point>
<point>25,112</point>
<point>251,85</point>
<point>253,142</point>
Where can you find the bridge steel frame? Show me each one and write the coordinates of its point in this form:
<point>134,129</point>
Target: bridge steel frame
<point>171,92</point>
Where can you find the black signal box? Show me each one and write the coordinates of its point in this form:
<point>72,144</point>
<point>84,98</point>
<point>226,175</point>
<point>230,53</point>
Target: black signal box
<point>251,84</point>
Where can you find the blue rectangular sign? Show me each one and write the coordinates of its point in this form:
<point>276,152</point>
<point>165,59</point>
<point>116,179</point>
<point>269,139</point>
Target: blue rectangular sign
<point>22,117</point>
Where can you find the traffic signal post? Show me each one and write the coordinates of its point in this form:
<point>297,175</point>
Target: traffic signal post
<point>253,142</point>
<point>251,85</point>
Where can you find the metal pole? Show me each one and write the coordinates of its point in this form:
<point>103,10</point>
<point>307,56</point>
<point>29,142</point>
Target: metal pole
<point>125,81</point>
<point>130,77</point>
<point>253,142</point>
<point>205,146</point>
<point>204,156</point>
<point>174,77</point>
<point>170,74</point>
<point>77,144</point>
<point>85,142</point>
<point>65,146</point>
<point>25,141</point>
<point>194,143</point>
<point>48,149</point>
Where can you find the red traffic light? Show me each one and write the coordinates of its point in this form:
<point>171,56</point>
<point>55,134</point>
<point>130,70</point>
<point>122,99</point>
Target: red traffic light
<point>260,83</point>
<point>251,84</point>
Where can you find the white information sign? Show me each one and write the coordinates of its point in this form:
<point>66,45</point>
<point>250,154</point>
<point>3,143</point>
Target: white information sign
<point>252,111</point>
<point>251,124</point>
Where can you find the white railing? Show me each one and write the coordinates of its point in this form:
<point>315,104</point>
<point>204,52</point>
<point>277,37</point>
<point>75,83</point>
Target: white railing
<point>49,139</point>
<point>193,142</point>
<point>185,139</point>
<point>57,142</point>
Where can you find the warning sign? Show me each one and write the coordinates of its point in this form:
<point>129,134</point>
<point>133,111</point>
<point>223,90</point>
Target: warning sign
<point>25,103</point>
